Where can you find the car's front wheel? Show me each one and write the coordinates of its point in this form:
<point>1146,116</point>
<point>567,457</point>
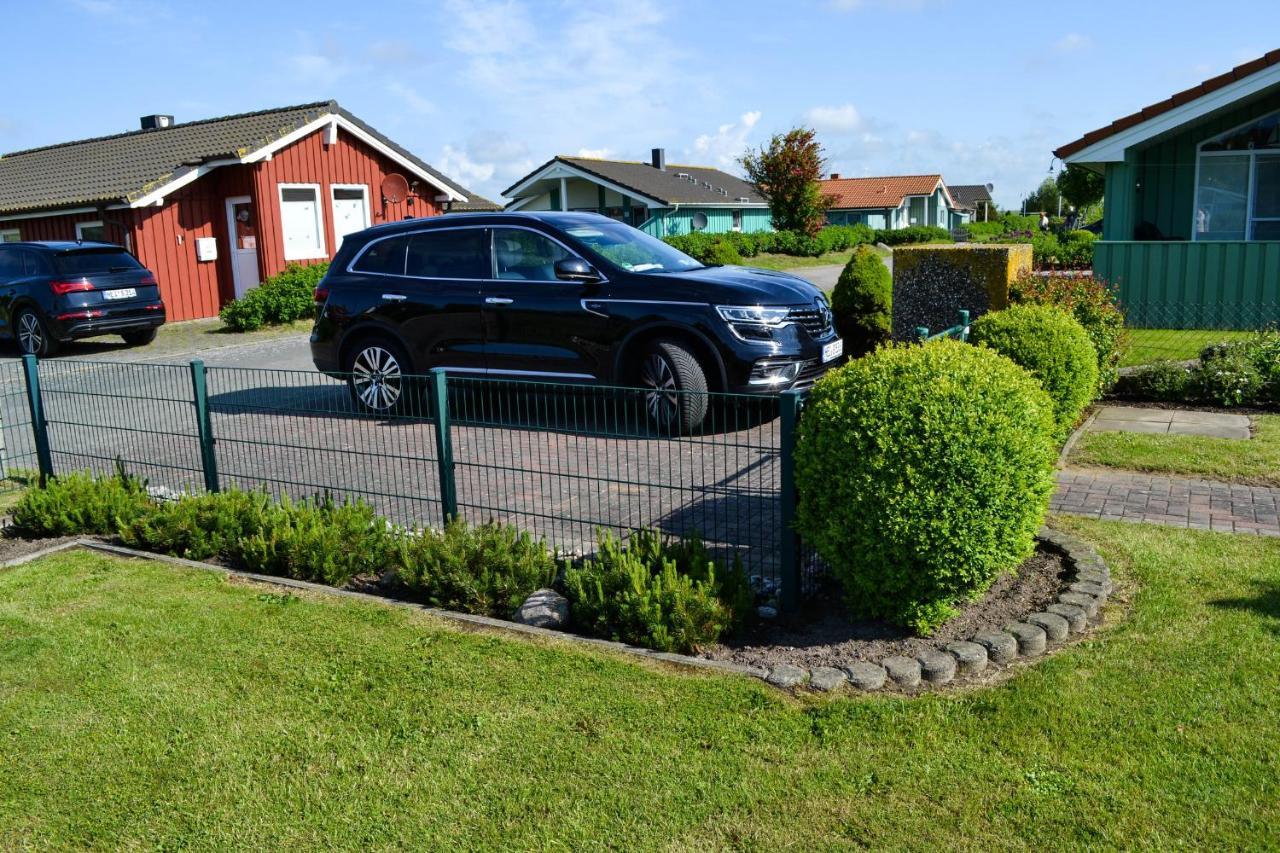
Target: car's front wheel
<point>675,386</point>
<point>33,335</point>
<point>377,374</point>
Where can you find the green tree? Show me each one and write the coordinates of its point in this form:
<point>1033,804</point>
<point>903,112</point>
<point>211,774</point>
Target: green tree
<point>786,172</point>
<point>1044,198</point>
<point>1080,187</point>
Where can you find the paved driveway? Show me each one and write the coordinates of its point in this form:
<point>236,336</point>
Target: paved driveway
<point>827,275</point>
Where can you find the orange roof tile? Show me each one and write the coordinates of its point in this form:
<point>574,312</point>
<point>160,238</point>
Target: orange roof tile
<point>855,193</point>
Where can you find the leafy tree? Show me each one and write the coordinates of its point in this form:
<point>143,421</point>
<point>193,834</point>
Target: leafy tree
<point>786,172</point>
<point>1080,187</point>
<point>1044,198</point>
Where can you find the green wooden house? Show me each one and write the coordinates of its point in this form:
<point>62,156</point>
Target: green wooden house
<point>659,198</point>
<point>1191,234</point>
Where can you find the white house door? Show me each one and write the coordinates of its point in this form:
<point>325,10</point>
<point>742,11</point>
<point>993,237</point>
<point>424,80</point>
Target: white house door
<point>242,225</point>
<point>350,211</point>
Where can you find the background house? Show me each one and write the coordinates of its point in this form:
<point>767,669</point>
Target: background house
<point>214,206</point>
<point>1192,229</point>
<point>897,201</point>
<point>659,198</point>
<point>973,199</point>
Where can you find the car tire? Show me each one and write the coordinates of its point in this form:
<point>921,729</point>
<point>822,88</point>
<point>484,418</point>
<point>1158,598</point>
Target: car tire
<point>675,386</point>
<point>32,334</point>
<point>140,338</point>
<point>378,377</point>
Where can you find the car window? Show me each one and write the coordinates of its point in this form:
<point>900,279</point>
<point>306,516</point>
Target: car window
<point>10,265</point>
<point>449,253</point>
<point>384,256</point>
<point>94,262</point>
<point>526,255</point>
<point>34,263</point>
<point>631,249</point>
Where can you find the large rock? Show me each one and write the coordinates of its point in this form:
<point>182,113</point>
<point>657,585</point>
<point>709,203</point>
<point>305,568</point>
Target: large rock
<point>545,608</point>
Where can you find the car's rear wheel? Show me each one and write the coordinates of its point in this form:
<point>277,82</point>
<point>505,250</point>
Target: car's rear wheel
<point>675,386</point>
<point>378,377</point>
<point>33,335</point>
<point>139,338</point>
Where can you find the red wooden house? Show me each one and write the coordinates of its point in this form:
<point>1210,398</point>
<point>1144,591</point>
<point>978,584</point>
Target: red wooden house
<point>212,207</point>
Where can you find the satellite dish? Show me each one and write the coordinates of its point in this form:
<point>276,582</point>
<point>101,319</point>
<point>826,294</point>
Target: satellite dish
<point>990,187</point>
<point>395,189</point>
<point>699,221</point>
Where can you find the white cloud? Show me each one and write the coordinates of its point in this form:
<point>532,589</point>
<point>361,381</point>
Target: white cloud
<point>596,153</point>
<point>458,164</point>
<point>412,99</point>
<point>842,119</point>
<point>1072,43</point>
<point>727,144</point>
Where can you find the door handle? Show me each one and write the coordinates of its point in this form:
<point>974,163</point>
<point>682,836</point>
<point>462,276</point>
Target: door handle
<point>394,297</point>
<point>498,300</point>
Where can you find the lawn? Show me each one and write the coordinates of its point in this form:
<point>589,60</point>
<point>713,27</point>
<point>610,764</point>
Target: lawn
<point>770,261</point>
<point>1148,345</point>
<point>149,706</point>
<point>1254,461</point>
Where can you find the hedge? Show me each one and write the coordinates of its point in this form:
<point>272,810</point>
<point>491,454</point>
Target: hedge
<point>282,298</point>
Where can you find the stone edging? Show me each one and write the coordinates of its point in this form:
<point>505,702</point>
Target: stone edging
<point>1077,608</point>
<point>1065,453</point>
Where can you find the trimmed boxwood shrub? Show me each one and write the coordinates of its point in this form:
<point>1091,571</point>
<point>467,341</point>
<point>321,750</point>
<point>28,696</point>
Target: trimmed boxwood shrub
<point>282,298</point>
<point>923,473</point>
<point>863,302</point>
<point>1094,305</point>
<point>1053,347</point>
<point>723,254</point>
<point>912,234</point>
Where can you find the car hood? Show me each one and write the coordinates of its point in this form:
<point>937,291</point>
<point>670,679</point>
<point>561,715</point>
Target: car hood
<point>746,286</point>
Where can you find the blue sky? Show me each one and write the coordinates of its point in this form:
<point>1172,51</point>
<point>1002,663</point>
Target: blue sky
<point>487,89</point>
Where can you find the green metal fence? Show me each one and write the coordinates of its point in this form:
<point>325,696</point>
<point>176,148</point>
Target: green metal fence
<point>561,461</point>
<point>1180,331</point>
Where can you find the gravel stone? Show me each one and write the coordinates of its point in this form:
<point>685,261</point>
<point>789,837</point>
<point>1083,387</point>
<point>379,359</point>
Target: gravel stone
<point>1031,638</point>
<point>786,675</point>
<point>1055,627</point>
<point>826,678</point>
<point>865,676</point>
<point>1087,603</point>
<point>1001,647</point>
<point>904,671</point>
<point>971,658</point>
<point>1077,619</point>
<point>544,608</point>
<point>936,667</point>
<point>764,611</point>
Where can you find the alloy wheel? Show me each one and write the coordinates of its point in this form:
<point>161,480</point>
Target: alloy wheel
<point>30,334</point>
<point>663,397</point>
<point>376,378</point>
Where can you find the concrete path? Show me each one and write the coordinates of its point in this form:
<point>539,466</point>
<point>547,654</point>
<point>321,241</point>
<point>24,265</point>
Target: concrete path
<point>1170,422</point>
<point>1171,501</point>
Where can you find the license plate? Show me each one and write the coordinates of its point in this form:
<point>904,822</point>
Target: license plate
<point>122,293</point>
<point>833,350</point>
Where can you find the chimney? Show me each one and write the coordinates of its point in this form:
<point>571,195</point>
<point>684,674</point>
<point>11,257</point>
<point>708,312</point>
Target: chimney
<point>659,160</point>
<point>156,122</point>
<point>835,176</point>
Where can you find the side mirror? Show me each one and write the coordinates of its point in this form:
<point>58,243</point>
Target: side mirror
<point>576,269</point>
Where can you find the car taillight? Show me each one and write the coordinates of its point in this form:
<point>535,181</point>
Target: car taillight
<point>321,295</point>
<point>148,280</point>
<point>61,288</point>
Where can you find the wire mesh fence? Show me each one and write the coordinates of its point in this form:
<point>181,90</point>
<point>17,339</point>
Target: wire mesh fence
<point>18,463</point>
<point>1179,332</point>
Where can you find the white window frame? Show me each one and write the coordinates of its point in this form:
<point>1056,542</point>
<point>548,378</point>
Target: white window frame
<point>93,223</point>
<point>322,251</point>
<point>1252,154</point>
<point>368,211</point>
<point>738,216</point>
<point>6,233</point>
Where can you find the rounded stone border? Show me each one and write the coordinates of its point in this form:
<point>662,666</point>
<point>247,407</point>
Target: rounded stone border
<point>1085,588</point>
<point>1077,609</point>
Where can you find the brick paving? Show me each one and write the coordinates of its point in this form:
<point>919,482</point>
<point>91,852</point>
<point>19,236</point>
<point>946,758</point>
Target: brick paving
<point>1173,501</point>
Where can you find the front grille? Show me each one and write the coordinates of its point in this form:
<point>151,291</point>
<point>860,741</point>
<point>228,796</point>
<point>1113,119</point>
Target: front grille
<point>810,372</point>
<point>815,321</point>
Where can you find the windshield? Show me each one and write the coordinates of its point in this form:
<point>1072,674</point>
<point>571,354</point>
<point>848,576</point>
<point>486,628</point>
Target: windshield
<point>634,251</point>
<point>92,261</point>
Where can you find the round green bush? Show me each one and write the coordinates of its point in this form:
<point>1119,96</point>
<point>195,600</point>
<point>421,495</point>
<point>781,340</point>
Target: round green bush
<point>1169,381</point>
<point>863,302</point>
<point>1053,347</point>
<point>723,253</point>
<point>923,473</point>
<point>1229,376</point>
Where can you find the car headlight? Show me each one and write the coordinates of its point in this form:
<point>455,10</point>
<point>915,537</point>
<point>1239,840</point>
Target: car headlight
<point>755,314</point>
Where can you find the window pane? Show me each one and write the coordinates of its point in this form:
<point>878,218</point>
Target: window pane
<point>455,253</point>
<point>385,256</point>
<point>12,236</point>
<point>91,261</point>
<point>94,233</point>
<point>340,194</point>
<point>1264,133</point>
<point>10,265</point>
<point>1266,193</point>
<point>34,264</point>
<point>1222,198</point>
<point>1267,229</point>
<point>298,194</point>
<point>525,255</point>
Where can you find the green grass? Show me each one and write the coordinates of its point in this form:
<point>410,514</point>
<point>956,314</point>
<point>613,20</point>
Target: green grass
<point>1148,345</point>
<point>143,705</point>
<point>769,261</point>
<point>1253,461</point>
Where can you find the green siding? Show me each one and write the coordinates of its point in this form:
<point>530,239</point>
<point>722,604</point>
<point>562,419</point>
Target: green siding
<point>1219,284</point>
<point>669,222</point>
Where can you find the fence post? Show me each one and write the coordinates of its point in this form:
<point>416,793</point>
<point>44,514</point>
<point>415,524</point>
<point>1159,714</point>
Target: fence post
<point>789,591</point>
<point>444,444</point>
<point>922,333</point>
<point>204,426</point>
<point>39,427</point>
<point>964,324</point>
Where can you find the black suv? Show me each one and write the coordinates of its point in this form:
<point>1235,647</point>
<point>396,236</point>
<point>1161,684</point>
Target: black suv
<point>51,292</point>
<point>562,297</point>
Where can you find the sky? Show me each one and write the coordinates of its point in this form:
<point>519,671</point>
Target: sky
<point>485,90</point>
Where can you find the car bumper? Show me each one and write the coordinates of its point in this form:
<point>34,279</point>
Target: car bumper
<point>84,324</point>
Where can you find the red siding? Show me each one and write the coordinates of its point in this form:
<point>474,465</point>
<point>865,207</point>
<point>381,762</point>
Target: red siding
<point>164,237</point>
